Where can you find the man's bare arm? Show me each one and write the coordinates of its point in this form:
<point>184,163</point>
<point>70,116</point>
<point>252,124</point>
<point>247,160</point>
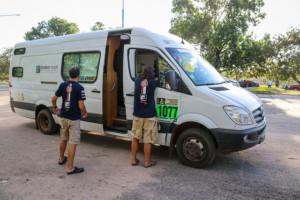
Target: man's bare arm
<point>55,109</point>
<point>82,109</point>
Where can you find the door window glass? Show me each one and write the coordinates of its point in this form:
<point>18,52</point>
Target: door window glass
<point>88,63</point>
<point>163,68</point>
<point>144,57</point>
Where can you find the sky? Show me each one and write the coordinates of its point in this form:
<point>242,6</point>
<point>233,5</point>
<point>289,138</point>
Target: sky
<point>154,15</point>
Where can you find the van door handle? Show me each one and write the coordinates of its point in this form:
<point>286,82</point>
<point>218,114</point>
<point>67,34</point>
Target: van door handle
<point>96,91</point>
<point>113,87</point>
<point>130,94</point>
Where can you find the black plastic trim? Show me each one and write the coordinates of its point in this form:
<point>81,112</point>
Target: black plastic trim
<point>23,105</point>
<point>164,127</point>
<point>94,118</point>
<point>234,140</point>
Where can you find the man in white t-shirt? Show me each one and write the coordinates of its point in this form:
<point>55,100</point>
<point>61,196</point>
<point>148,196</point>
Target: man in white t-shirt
<point>269,83</point>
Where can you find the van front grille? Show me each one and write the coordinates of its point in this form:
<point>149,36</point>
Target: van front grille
<point>259,115</point>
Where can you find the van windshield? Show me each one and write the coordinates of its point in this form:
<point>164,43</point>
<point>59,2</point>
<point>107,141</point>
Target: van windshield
<point>200,71</point>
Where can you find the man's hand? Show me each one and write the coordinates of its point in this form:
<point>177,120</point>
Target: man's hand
<point>84,115</point>
<point>82,109</point>
<point>56,111</point>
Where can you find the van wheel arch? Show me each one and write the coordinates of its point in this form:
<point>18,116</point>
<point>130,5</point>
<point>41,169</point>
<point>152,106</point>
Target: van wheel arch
<point>182,127</point>
<point>44,120</point>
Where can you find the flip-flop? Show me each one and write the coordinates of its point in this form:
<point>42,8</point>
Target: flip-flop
<point>137,162</point>
<point>76,171</point>
<point>152,163</point>
<point>64,161</point>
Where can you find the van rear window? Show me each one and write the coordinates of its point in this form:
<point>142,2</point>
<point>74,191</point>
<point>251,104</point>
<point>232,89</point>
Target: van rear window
<point>17,72</point>
<point>19,51</point>
<point>88,63</point>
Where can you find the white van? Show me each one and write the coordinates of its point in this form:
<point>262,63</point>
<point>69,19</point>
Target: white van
<point>200,113</point>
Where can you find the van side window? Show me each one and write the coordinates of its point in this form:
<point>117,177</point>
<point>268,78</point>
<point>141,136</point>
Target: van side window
<point>17,72</point>
<point>145,57</point>
<point>88,63</point>
<point>19,51</point>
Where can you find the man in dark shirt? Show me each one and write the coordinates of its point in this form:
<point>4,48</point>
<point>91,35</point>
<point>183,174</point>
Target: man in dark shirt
<point>72,110</point>
<point>144,115</point>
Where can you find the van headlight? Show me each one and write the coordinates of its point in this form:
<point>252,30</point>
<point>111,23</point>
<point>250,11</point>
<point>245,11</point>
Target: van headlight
<point>238,115</point>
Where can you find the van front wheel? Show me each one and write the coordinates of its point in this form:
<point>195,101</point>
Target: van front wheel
<point>46,122</point>
<point>196,148</point>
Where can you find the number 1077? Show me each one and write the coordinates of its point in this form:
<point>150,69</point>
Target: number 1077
<point>167,111</point>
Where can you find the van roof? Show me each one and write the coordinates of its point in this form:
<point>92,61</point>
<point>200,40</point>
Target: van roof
<point>139,36</point>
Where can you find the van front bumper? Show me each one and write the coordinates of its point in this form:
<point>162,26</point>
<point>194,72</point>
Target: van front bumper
<point>237,140</point>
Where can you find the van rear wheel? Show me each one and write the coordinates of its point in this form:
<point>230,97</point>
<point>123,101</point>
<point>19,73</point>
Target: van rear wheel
<point>46,122</point>
<point>196,148</point>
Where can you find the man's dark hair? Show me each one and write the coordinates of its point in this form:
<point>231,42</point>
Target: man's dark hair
<point>147,73</point>
<point>74,72</point>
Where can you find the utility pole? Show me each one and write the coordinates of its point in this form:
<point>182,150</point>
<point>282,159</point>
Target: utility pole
<point>122,13</point>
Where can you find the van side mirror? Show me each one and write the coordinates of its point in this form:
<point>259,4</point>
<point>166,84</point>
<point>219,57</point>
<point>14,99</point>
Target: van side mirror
<point>171,79</point>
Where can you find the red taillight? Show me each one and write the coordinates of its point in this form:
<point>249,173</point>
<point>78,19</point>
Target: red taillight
<point>9,90</point>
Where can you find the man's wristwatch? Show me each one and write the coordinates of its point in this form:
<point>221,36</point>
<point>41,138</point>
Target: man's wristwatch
<point>54,107</point>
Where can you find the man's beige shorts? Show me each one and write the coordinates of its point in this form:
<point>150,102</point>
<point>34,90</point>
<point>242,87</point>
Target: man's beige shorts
<point>145,128</point>
<point>70,130</point>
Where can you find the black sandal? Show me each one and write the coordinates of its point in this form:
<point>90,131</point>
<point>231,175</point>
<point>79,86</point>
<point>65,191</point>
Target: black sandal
<point>152,163</point>
<point>64,161</point>
<point>137,161</point>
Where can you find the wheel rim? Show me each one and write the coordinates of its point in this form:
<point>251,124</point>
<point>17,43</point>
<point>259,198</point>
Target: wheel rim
<point>193,149</point>
<point>44,122</point>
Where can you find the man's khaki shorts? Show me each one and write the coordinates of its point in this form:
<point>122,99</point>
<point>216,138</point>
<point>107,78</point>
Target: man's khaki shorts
<point>145,128</point>
<point>70,130</point>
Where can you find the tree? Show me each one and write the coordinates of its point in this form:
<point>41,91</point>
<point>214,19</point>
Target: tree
<point>98,26</point>
<point>54,27</point>
<point>286,61</point>
<point>220,29</point>
<point>4,63</point>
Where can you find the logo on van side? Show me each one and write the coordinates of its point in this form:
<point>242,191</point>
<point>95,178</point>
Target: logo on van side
<point>45,69</point>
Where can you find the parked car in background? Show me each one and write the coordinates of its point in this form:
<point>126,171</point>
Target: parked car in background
<point>251,83</point>
<point>234,82</point>
<point>295,87</point>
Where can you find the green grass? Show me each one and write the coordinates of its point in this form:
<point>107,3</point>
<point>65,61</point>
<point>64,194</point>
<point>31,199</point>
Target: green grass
<point>3,83</point>
<point>263,89</point>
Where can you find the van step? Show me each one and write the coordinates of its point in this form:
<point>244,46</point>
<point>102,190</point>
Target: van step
<point>117,128</point>
<point>120,121</point>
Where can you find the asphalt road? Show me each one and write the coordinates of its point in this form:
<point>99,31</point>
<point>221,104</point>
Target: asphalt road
<point>29,170</point>
<point>3,87</point>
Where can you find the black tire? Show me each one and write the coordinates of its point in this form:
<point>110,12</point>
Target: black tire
<point>295,89</point>
<point>196,148</point>
<point>46,122</point>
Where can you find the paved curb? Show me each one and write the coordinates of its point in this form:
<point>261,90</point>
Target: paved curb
<point>277,96</point>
